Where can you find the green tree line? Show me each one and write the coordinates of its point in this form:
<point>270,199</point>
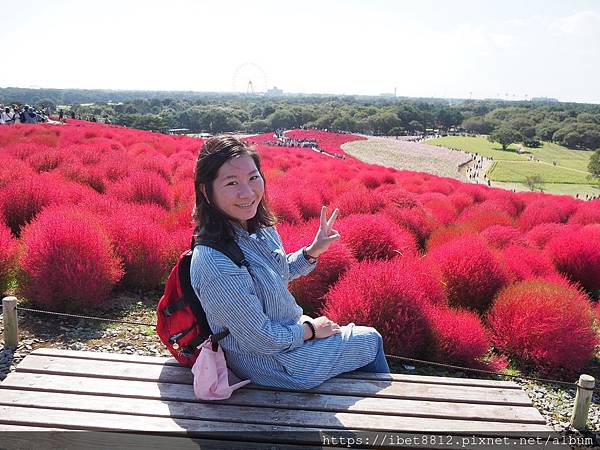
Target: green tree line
<point>573,125</point>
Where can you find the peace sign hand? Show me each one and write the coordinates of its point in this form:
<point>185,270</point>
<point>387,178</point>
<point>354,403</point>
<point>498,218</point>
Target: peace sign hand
<point>326,235</point>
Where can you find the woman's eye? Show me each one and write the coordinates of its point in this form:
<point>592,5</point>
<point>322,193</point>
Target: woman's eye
<point>255,177</point>
<point>231,183</point>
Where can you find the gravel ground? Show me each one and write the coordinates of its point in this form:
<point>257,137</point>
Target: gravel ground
<point>37,330</point>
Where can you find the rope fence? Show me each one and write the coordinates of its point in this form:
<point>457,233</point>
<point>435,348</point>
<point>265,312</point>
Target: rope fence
<point>585,386</point>
<point>395,357</point>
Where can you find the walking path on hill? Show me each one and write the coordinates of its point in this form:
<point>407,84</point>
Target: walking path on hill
<point>409,155</point>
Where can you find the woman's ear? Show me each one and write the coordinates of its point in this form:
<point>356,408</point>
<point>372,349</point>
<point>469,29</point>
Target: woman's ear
<point>203,190</point>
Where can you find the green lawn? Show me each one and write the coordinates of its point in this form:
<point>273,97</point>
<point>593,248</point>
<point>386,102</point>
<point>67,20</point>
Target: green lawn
<point>549,152</point>
<point>564,157</point>
<point>555,188</point>
<point>568,176</point>
<point>481,146</point>
<point>517,171</point>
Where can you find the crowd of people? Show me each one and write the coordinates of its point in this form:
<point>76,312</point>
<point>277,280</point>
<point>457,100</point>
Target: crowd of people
<point>474,172</point>
<point>284,141</point>
<point>13,114</point>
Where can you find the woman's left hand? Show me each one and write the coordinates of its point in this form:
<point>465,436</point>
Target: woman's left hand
<point>326,235</point>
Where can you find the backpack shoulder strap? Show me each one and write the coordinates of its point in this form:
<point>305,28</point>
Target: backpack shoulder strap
<point>231,249</point>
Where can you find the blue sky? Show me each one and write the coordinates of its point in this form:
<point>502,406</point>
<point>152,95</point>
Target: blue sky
<point>509,49</point>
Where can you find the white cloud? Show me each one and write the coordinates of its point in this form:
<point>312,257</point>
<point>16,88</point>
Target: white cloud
<point>516,23</point>
<point>580,23</point>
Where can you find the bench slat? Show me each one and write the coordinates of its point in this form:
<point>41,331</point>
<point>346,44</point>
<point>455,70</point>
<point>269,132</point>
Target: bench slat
<point>19,415</point>
<point>23,437</point>
<point>165,361</point>
<point>288,400</point>
<point>85,420</point>
<point>364,388</point>
<point>229,413</point>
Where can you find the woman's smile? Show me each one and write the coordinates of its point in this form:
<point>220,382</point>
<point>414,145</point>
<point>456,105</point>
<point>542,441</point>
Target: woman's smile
<point>246,205</point>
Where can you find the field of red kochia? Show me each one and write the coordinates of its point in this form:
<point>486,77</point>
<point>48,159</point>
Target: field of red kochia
<point>454,272</point>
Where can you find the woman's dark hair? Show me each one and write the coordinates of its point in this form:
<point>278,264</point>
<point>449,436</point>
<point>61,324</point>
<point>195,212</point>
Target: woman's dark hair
<point>214,223</point>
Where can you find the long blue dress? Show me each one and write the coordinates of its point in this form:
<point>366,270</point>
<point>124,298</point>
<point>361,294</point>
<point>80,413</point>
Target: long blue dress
<point>266,344</point>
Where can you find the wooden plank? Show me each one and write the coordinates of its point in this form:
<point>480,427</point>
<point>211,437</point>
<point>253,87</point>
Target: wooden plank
<point>363,388</point>
<point>288,400</point>
<point>85,420</point>
<point>217,412</point>
<point>7,427</point>
<point>19,415</point>
<point>431,379</point>
<point>77,440</point>
<point>354,375</point>
<point>106,356</point>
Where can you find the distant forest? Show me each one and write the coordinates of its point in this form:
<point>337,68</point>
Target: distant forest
<point>574,125</point>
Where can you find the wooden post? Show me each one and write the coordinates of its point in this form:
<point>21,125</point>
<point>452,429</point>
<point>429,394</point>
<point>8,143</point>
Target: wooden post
<point>9,314</point>
<point>583,399</point>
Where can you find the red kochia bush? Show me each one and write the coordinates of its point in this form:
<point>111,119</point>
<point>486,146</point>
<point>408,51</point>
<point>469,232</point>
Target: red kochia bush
<point>577,255</point>
<point>68,261</point>
<point>9,248</point>
<point>458,336</point>
<point>143,187</point>
<point>375,237</point>
<point>21,200</point>
<point>588,212</point>
<point>283,206</point>
<point>415,219</point>
<point>460,201</point>
<point>442,210</point>
<point>444,235</point>
<point>397,196</point>
<point>541,211</point>
<point>499,236</point>
<point>377,294</point>
<point>359,200</point>
<point>541,234</point>
<point>484,215</point>
<point>309,290</point>
<point>143,247</point>
<point>545,323</point>
<point>471,273</point>
<point>523,263</point>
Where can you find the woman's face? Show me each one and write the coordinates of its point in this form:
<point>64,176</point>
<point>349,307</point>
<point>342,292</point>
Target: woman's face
<point>238,188</point>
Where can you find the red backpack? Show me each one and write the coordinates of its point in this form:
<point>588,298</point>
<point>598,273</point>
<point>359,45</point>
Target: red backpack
<point>180,320</point>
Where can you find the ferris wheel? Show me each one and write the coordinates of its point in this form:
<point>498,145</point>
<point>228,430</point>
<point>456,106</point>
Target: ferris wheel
<point>249,78</point>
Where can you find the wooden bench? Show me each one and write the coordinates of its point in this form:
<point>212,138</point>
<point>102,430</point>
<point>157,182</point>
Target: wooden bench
<point>152,399</point>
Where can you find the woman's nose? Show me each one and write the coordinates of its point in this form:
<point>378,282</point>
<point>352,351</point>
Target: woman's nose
<point>245,191</point>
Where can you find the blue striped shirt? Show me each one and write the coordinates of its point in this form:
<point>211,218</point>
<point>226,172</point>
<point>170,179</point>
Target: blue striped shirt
<point>266,344</point>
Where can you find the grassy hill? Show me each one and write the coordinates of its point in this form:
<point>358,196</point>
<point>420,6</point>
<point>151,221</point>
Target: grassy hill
<point>563,171</point>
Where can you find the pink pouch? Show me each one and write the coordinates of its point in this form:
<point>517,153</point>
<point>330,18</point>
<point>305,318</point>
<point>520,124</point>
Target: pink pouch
<point>211,377</point>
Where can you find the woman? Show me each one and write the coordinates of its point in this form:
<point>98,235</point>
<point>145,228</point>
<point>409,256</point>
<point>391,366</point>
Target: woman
<point>270,341</point>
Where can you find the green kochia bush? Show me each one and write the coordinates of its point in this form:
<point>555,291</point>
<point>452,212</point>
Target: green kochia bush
<point>68,262</point>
